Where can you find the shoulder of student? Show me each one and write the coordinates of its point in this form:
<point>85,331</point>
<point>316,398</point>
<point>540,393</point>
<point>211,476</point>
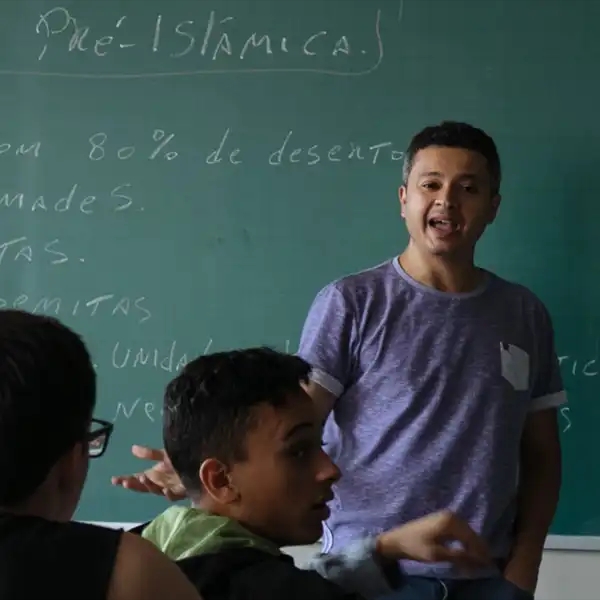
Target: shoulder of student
<point>141,571</point>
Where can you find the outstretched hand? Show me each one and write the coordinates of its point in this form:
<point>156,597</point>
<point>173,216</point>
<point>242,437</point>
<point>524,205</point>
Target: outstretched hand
<point>439,537</point>
<point>160,479</point>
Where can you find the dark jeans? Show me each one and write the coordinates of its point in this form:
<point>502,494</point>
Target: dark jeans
<point>424,588</point>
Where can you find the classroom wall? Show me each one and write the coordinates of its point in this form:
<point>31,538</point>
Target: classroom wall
<point>565,575</point>
<point>569,575</point>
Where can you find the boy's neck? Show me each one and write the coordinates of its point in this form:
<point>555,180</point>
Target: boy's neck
<point>212,508</point>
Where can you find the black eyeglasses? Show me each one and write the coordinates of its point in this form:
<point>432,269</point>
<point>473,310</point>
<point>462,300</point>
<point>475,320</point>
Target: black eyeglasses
<point>98,437</point>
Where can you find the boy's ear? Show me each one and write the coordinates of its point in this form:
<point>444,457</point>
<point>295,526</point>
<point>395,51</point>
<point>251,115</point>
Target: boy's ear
<point>216,481</point>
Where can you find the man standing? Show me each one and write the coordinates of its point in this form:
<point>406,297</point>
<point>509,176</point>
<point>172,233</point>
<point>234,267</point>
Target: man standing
<point>438,381</point>
<point>441,378</point>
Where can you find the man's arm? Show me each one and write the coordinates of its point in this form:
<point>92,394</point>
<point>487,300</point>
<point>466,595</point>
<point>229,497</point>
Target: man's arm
<point>142,572</point>
<point>323,399</point>
<point>540,481</point>
<point>328,344</point>
<point>369,566</point>
<point>540,461</point>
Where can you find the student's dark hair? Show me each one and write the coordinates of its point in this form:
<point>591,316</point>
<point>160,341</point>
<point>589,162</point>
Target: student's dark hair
<point>453,134</point>
<point>47,395</point>
<point>210,406</point>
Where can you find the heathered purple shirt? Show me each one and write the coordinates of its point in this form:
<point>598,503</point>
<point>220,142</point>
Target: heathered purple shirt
<point>433,390</point>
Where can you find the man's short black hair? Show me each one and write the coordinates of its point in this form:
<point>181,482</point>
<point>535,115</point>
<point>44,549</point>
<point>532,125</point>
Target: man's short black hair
<point>210,407</point>
<point>453,134</point>
<point>47,396</point>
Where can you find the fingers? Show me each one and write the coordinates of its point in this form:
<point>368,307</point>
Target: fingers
<point>473,550</point>
<point>139,483</point>
<point>146,453</point>
<point>156,480</point>
<point>473,544</point>
<point>129,482</point>
<point>142,484</point>
<point>151,487</point>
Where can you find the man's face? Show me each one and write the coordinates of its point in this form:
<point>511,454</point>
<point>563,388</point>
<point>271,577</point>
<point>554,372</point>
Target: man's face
<point>285,481</point>
<point>448,201</point>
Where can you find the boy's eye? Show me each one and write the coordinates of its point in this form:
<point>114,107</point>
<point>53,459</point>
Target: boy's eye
<point>306,449</point>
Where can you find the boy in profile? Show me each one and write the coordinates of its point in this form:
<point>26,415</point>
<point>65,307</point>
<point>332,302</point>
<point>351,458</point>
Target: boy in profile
<point>245,440</point>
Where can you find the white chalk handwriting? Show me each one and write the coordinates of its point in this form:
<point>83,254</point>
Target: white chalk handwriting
<point>289,150</point>
<point>77,199</point>
<point>160,138</point>
<point>153,410</point>
<point>222,41</point>
<point>165,357</point>
<point>31,149</point>
<point>114,305</point>
<point>565,419</point>
<point>580,367</point>
<point>169,359</point>
<point>370,153</point>
<point>22,250</point>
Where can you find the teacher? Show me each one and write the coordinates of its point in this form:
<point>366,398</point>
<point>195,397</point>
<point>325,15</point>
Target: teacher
<point>438,380</point>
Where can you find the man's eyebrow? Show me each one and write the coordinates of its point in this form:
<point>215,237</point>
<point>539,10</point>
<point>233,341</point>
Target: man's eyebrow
<point>438,174</point>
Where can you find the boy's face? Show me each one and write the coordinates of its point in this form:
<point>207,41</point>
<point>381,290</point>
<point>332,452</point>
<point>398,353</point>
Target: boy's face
<point>447,202</point>
<point>286,479</point>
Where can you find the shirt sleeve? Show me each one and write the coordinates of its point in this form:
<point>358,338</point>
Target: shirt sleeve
<point>548,389</point>
<point>327,340</point>
<point>356,569</point>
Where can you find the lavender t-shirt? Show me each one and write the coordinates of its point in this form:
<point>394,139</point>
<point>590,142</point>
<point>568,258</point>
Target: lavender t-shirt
<point>433,390</point>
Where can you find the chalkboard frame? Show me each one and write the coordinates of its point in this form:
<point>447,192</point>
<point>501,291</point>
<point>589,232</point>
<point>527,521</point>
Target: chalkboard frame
<point>553,542</point>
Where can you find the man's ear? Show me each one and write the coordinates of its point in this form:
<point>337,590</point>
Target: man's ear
<point>217,482</point>
<point>496,200</point>
<point>402,198</point>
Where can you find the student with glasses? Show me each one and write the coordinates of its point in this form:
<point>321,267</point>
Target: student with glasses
<point>47,436</point>
<point>98,437</point>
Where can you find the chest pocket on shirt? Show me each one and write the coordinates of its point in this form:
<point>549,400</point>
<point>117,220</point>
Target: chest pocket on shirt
<point>515,366</point>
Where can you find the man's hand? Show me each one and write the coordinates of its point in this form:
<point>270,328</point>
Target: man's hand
<point>523,568</point>
<point>428,540</point>
<point>539,487</point>
<point>160,479</point>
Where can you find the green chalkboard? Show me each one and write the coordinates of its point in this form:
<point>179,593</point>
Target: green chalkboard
<point>183,176</point>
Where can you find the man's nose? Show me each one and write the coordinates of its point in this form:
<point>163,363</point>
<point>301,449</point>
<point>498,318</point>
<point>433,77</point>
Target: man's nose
<point>447,197</point>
